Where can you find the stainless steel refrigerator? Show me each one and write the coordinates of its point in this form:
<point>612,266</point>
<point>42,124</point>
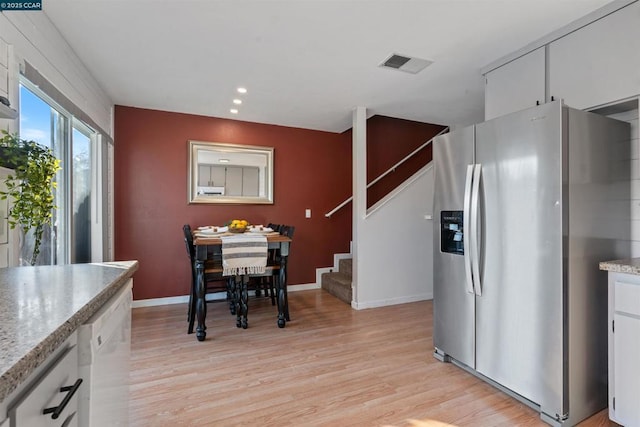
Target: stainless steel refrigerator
<point>525,207</point>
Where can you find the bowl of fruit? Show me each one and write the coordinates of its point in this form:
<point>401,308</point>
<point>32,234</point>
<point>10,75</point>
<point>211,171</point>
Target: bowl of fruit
<point>238,225</point>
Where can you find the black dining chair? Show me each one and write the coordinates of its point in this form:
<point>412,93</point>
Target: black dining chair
<point>268,283</point>
<point>261,284</point>
<point>215,282</point>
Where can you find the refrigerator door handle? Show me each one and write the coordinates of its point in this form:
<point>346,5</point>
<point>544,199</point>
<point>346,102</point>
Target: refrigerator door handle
<point>466,221</point>
<point>475,231</point>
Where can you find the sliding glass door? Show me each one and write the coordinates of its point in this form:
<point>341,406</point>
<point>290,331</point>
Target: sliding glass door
<point>77,221</point>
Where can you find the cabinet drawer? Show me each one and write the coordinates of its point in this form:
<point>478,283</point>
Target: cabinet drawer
<point>627,298</point>
<point>46,393</point>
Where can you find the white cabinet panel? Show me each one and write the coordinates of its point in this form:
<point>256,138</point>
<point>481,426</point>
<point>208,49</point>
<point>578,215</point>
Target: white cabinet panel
<point>599,63</point>
<point>624,348</point>
<point>516,85</point>
<point>218,176</point>
<point>233,180</point>
<point>250,182</point>
<point>627,370</point>
<point>233,185</point>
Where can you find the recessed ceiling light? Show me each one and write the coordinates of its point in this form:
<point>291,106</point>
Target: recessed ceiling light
<point>237,101</point>
<point>224,160</point>
<point>242,90</point>
<point>233,111</point>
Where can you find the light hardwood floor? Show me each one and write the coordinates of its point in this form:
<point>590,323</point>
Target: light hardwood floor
<point>330,366</point>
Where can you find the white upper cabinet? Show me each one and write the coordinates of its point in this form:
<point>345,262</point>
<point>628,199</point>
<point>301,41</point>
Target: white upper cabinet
<point>587,64</point>
<point>516,85</point>
<point>599,63</point>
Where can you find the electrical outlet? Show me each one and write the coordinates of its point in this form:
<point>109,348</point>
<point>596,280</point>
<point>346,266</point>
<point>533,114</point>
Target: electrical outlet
<point>307,213</point>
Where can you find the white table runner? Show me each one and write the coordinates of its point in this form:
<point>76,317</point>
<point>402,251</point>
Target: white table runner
<point>244,254</point>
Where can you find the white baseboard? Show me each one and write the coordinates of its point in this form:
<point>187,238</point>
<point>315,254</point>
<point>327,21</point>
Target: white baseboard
<point>160,301</point>
<point>303,287</point>
<point>337,258</point>
<point>183,299</point>
<point>336,267</point>
<point>320,272</point>
<point>391,301</point>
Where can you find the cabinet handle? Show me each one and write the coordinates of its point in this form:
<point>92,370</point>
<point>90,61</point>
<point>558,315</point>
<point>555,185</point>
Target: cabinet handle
<point>57,410</point>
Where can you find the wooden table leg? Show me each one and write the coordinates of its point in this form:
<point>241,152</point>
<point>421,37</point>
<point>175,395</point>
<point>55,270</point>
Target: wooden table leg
<point>231,295</point>
<point>283,303</point>
<point>281,300</point>
<point>201,304</point>
<point>237,297</point>
<point>241,296</point>
<point>244,301</point>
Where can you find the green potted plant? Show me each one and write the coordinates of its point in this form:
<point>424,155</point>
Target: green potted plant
<point>31,186</point>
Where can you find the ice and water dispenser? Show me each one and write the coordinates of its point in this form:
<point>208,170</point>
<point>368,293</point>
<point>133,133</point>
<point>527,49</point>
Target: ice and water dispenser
<point>451,232</point>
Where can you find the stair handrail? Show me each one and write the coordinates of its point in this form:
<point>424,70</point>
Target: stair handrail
<point>388,171</point>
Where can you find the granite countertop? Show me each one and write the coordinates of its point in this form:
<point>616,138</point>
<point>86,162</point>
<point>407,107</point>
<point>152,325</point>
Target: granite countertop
<point>629,266</point>
<point>40,307</point>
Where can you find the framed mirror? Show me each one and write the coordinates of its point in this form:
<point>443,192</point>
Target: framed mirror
<point>230,173</point>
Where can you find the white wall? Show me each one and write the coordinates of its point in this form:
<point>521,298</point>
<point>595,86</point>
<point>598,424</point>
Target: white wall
<point>632,118</point>
<point>36,40</point>
<point>395,247</point>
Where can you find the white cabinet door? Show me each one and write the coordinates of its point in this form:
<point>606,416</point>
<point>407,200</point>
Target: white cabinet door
<point>599,63</point>
<point>627,370</point>
<point>204,175</point>
<point>516,85</point>
<point>250,181</point>
<point>624,369</point>
<point>218,176</point>
<point>233,184</point>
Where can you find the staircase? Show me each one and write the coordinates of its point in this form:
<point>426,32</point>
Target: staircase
<point>338,283</point>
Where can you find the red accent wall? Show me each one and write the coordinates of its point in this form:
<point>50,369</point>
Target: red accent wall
<point>389,140</point>
<point>312,170</point>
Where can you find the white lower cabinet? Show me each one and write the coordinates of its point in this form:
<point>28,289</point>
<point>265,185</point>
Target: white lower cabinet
<point>624,348</point>
<point>49,396</point>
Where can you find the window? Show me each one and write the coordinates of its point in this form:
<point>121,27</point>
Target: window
<point>76,234</point>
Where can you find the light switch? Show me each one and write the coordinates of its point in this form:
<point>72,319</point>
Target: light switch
<point>307,213</point>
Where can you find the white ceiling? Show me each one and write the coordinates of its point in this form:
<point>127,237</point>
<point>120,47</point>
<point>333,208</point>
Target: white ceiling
<point>305,63</point>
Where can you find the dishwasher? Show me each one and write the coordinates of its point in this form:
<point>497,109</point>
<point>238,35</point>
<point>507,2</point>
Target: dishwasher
<point>104,349</point>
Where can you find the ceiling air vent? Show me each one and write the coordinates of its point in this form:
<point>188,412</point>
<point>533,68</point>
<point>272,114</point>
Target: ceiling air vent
<point>405,63</point>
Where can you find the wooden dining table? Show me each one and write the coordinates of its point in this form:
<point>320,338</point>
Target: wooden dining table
<point>203,244</point>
